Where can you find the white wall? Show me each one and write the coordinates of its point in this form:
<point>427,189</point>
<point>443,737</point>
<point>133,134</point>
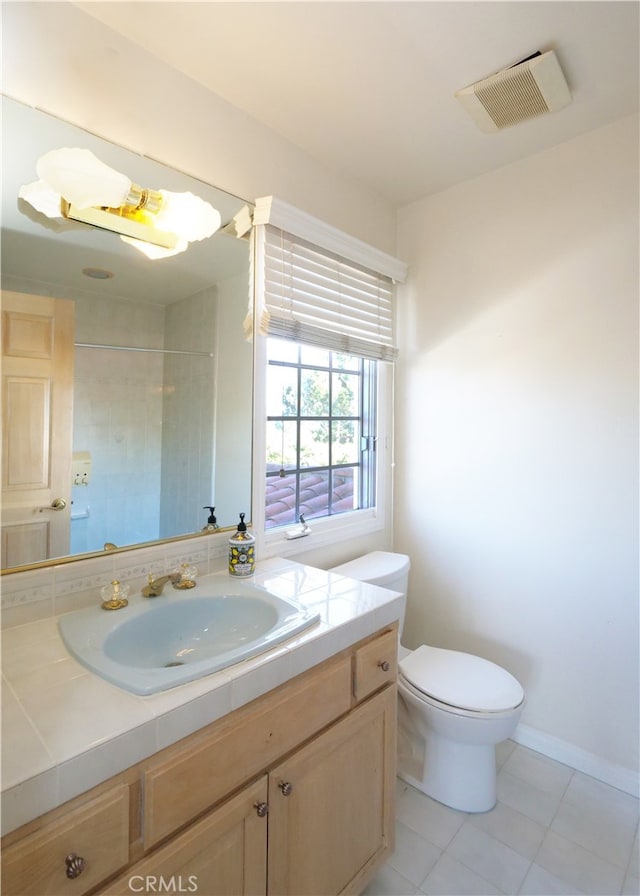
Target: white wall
<point>517,433</point>
<point>63,61</point>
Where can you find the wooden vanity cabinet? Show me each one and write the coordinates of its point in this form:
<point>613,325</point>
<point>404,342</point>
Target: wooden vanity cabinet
<point>291,795</point>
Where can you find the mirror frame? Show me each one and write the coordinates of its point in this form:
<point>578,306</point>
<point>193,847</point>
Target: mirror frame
<point>93,555</point>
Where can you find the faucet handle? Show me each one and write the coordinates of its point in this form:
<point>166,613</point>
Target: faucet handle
<point>184,577</point>
<point>114,596</point>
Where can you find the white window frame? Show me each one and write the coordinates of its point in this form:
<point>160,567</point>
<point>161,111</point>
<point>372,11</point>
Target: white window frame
<point>330,529</point>
<point>337,528</point>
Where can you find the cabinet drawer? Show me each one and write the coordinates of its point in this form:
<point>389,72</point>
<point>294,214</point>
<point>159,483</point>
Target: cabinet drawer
<point>376,664</point>
<point>98,832</point>
<point>195,777</point>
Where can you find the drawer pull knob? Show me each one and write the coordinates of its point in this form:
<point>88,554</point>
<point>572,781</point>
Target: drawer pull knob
<point>384,665</point>
<point>286,787</point>
<point>261,809</point>
<point>75,865</point>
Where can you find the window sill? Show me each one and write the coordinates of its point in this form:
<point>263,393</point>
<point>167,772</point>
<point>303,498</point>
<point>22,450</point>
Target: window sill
<point>324,532</point>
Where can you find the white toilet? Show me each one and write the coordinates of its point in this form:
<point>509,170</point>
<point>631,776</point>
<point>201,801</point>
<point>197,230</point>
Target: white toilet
<point>453,707</point>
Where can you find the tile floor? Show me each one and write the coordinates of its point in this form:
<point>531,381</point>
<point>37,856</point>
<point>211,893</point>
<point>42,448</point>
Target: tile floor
<point>553,831</point>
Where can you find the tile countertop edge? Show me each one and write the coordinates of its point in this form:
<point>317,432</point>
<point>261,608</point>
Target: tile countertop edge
<point>171,715</point>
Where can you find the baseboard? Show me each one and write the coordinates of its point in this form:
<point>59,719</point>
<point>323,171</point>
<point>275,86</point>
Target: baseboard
<point>616,775</point>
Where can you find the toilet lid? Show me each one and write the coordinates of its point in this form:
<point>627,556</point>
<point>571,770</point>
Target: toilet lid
<point>461,680</point>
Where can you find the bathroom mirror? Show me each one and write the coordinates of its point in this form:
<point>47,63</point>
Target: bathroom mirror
<point>162,374</point>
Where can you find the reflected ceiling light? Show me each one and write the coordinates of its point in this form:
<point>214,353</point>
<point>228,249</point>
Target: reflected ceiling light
<point>97,273</point>
<point>75,184</point>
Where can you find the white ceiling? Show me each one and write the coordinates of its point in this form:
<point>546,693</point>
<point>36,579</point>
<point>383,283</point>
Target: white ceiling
<point>367,88</point>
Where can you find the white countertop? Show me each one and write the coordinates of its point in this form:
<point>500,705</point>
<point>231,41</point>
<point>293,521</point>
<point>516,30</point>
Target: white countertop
<point>64,729</point>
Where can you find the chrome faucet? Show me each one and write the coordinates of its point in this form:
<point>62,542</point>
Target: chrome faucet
<point>154,586</point>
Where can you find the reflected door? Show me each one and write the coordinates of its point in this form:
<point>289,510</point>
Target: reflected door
<point>37,424</point>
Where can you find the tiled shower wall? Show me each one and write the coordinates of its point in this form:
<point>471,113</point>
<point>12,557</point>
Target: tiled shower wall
<point>188,414</point>
<point>148,419</point>
<point>118,409</point>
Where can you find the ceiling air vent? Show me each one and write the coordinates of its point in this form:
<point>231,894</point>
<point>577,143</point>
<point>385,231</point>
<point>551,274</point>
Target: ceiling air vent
<point>528,89</point>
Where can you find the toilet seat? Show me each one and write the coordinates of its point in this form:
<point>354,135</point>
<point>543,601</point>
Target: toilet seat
<point>461,680</point>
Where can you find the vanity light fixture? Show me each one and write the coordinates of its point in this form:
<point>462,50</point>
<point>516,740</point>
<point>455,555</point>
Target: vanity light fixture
<point>76,185</point>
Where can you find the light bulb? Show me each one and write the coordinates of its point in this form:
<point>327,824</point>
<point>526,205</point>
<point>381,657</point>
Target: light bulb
<point>187,215</point>
<point>183,214</point>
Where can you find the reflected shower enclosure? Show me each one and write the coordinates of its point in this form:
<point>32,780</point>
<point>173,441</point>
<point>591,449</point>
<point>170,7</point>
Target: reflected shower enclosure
<point>144,412</point>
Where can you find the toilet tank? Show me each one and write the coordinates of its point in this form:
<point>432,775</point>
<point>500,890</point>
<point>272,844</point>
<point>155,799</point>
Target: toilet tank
<point>383,568</point>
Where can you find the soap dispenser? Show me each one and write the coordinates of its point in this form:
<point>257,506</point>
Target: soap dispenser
<point>242,551</point>
<point>212,523</point>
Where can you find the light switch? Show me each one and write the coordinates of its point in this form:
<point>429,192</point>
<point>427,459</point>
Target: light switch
<point>81,468</point>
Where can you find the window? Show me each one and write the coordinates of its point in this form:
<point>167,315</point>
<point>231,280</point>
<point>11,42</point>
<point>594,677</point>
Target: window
<point>325,303</point>
<point>321,432</point>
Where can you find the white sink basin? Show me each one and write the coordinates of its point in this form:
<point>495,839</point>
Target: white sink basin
<point>158,643</point>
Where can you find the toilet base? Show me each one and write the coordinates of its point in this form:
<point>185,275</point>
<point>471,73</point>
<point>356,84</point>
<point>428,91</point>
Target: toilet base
<point>460,776</point>
<point>457,773</point>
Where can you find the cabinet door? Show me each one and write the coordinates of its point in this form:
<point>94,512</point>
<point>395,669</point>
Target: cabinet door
<point>331,813</point>
<point>223,854</point>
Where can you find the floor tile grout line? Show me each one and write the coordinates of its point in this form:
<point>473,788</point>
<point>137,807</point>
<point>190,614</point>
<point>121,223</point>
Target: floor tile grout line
<point>575,842</point>
<point>418,887</point>
<point>482,877</point>
<point>517,812</point>
<point>561,795</point>
<point>630,859</point>
<point>548,826</point>
<point>597,857</point>
<point>469,868</point>
<point>469,818</point>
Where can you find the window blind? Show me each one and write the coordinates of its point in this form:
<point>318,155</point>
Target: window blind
<point>319,298</point>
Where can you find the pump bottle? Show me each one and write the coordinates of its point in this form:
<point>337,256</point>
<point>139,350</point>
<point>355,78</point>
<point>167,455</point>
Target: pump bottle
<point>212,523</point>
<point>242,551</point>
